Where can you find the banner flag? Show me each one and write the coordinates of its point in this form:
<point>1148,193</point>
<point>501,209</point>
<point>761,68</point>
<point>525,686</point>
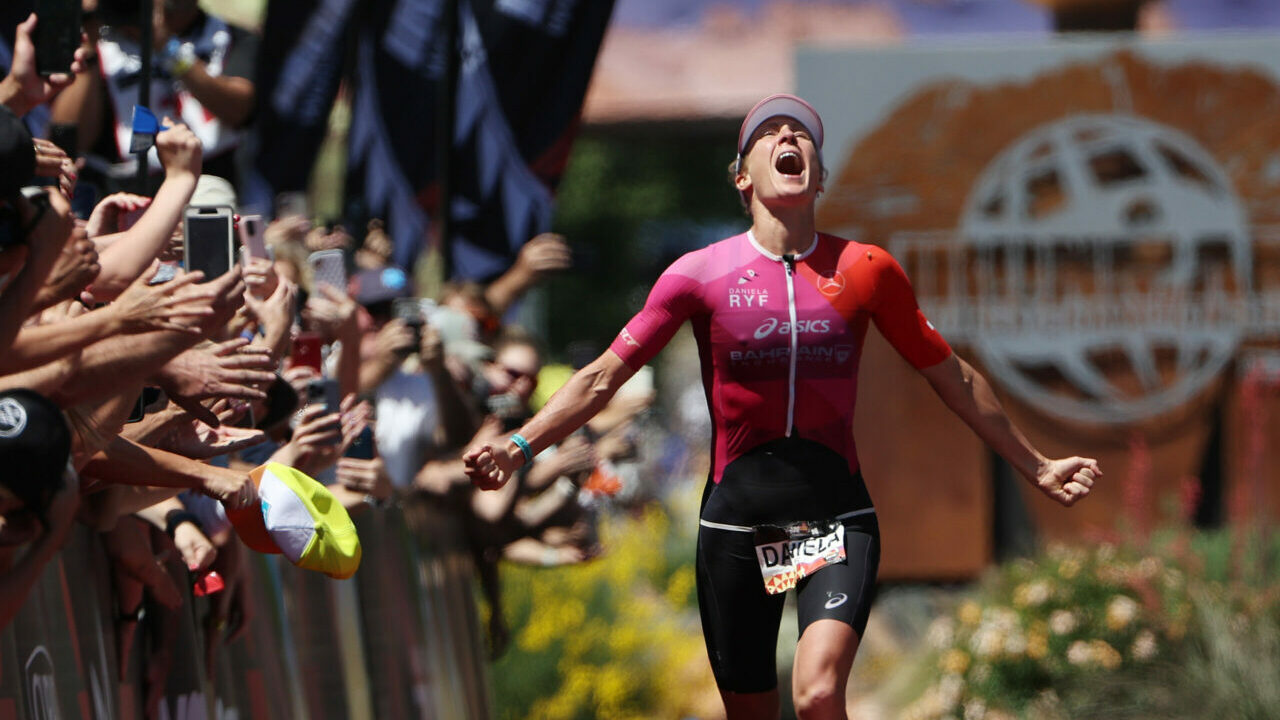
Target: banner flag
<point>523,72</point>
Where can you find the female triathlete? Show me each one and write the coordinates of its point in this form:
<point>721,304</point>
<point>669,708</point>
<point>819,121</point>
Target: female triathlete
<point>780,313</point>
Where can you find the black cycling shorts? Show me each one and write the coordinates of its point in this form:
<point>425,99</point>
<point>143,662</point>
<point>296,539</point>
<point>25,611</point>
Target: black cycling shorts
<point>781,482</point>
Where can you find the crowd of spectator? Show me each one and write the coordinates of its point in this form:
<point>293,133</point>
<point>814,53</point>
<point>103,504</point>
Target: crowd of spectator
<point>136,395</point>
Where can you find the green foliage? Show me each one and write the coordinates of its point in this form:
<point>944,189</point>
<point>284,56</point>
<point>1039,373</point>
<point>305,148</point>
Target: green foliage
<point>1185,625</point>
<point>629,203</point>
<point>614,638</point>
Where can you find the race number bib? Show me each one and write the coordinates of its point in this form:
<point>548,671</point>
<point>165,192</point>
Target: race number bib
<point>788,553</point>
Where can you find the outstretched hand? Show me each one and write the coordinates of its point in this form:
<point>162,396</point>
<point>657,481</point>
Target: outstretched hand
<point>143,307</point>
<point>1068,479</point>
<point>195,439</point>
<point>106,215</point>
<point>487,463</point>
<point>231,369</point>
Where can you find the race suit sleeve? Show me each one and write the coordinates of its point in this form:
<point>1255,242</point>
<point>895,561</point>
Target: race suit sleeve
<point>672,301</point>
<point>898,317</point>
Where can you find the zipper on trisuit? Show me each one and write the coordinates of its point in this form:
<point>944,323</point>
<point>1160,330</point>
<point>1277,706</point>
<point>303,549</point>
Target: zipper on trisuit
<point>789,261</point>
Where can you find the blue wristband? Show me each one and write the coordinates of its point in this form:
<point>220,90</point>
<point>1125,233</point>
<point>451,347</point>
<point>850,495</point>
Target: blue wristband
<point>523,444</point>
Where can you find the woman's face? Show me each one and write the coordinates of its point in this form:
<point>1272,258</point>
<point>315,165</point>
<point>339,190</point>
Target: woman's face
<point>782,166</point>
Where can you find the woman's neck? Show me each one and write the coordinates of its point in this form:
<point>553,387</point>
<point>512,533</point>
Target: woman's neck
<point>789,231</point>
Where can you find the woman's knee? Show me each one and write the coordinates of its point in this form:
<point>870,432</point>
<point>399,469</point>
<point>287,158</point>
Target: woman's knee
<point>819,696</point>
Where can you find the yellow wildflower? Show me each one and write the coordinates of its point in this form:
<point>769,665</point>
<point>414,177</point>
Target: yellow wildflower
<point>954,661</point>
<point>1038,640</point>
<point>1105,655</point>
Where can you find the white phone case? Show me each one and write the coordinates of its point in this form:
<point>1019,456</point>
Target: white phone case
<point>329,268</point>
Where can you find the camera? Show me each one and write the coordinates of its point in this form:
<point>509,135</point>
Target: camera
<point>414,312</point>
<point>324,391</point>
<point>508,408</point>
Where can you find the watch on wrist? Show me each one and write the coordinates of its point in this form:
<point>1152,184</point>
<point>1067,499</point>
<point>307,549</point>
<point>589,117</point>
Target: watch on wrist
<point>174,519</point>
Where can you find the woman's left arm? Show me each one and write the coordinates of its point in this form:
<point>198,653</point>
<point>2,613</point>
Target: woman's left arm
<point>970,396</point>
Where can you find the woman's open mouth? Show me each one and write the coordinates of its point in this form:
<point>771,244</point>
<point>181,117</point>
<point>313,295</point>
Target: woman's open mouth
<point>789,163</point>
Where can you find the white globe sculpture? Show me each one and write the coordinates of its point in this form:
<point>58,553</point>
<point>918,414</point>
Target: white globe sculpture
<point>1111,257</point>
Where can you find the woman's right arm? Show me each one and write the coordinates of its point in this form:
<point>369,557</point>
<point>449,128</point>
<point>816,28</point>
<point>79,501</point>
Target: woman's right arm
<point>674,298</point>
<point>489,465</point>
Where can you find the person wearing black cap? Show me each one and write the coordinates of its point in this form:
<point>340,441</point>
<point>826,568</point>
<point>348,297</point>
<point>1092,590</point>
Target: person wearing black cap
<point>38,491</point>
<point>780,313</point>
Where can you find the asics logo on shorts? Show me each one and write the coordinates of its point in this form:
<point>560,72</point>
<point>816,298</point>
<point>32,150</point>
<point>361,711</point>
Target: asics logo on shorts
<point>836,601</point>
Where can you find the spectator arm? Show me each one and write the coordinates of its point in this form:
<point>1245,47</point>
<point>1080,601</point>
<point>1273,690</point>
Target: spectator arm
<point>458,423</point>
<point>42,344</point>
<point>82,104</point>
<point>229,98</point>
<point>127,254</point>
<point>127,359</point>
<point>125,462</point>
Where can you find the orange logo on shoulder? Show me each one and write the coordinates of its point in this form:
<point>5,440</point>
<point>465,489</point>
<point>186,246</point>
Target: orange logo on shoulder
<point>833,285</point>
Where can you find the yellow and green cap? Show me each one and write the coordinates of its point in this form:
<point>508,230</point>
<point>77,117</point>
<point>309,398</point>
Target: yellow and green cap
<point>300,519</point>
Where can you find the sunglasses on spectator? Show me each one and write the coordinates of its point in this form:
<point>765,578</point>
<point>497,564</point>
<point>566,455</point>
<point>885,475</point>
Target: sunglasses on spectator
<point>513,374</point>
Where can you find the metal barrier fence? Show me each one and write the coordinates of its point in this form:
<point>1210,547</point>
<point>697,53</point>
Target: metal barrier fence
<point>401,639</point>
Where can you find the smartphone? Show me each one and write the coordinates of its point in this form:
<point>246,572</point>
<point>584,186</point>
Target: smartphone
<point>324,390</point>
<point>329,267</point>
<point>306,350</point>
<point>508,408</point>
<point>57,35</point>
<point>164,274</point>
<point>362,448</point>
<point>252,236</point>
<point>410,311</point>
<point>84,200</point>
<point>65,136</point>
<point>208,243</point>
